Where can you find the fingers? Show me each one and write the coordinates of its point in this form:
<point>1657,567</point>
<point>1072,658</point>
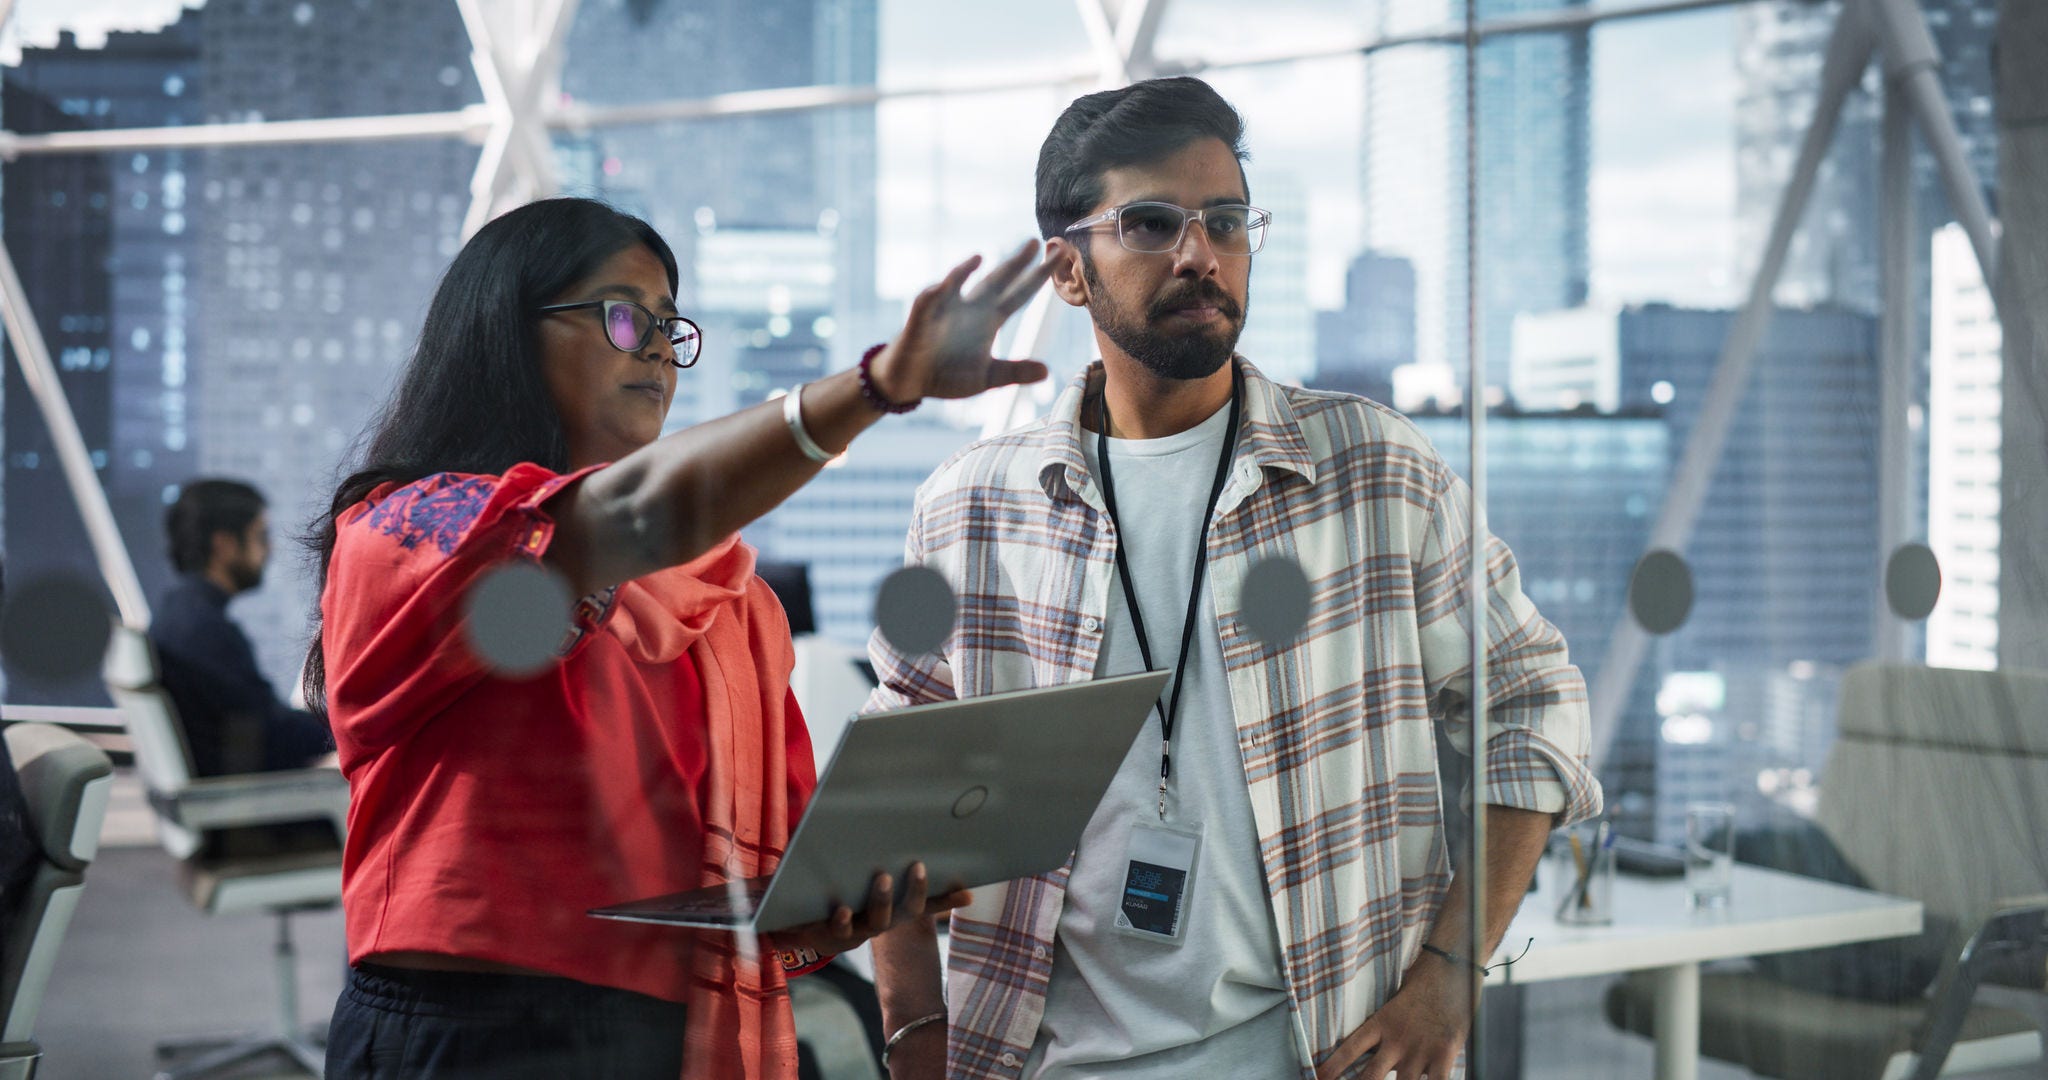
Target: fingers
<point>1023,289</point>
<point>956,277</point>
<point>881,901</point>
<point>999,280</point>
<point>1444,1066</point>
<point>948,286</point>
<point>958,898</point>
<point>1358,1049</point>
<point>1010,372</point>
<point>915,886</point>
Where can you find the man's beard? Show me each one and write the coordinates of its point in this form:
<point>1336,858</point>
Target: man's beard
<point>245,575</point>
<point>1193,354</point>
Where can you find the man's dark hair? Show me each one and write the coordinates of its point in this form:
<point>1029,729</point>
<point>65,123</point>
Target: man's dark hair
<point>206,507</point>
<point>1138,124</point>
<point>473,398</point>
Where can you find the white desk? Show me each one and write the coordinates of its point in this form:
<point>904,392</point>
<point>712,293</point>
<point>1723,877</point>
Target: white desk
<point>1652,931</point>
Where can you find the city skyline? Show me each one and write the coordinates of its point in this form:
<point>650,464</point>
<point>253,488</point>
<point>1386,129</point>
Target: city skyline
<point>623,164</point>
<point>953,179</point>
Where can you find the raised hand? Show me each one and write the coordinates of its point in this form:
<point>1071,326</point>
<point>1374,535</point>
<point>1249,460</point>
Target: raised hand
<point>945,348</point>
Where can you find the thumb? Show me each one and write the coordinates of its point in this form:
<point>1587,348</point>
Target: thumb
<point>1013,372</point>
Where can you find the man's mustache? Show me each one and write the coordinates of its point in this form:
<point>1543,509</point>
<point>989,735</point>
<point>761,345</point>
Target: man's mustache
<point>1194,295</point>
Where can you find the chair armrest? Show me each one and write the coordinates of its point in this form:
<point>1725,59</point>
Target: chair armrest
<point>2012,937</point>
<point>224,802</point>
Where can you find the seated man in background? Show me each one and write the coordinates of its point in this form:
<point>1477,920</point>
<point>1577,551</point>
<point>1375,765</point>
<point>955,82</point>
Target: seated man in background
<point>219,538</point>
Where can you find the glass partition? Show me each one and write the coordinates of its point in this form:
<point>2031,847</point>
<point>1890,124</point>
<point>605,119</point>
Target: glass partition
<point>1764,525</point>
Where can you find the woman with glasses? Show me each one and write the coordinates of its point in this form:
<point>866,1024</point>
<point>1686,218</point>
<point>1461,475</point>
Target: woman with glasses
<point>660,749</point>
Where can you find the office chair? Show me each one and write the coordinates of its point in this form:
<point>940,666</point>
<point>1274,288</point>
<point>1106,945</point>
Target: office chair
<point>189,810</point>
<point>65,781</point>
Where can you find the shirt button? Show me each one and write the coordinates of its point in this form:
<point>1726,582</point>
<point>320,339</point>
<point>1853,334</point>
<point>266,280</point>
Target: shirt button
<point>1042,952</point>
<point>1091,624</point>
<point>1009,1060</point>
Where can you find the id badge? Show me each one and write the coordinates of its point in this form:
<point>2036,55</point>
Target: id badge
<point>1159,876</point>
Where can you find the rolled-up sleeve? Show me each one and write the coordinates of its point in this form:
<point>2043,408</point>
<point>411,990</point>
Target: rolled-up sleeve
<point>395,642</point>
<point>1538,720</point>
<point>903,679</point>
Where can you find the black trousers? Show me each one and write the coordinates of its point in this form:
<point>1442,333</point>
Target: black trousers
<point>436,1025</point>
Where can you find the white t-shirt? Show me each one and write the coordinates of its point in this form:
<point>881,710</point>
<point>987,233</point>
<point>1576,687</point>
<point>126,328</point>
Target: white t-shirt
<point>1119,1005</point>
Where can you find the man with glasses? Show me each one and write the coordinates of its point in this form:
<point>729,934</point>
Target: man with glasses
<point>1266,890</point>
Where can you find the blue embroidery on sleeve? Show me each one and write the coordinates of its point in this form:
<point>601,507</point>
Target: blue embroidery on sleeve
<point>439,508</point>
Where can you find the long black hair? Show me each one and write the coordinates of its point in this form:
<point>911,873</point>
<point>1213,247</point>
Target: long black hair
<point>473,398</point>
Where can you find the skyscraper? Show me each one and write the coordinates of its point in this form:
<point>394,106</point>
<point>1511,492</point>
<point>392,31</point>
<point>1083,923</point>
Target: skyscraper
<point>102,245</point>
<point>1534,122</point>
<point>1963,441</point>
<point>238,311</point>
<point>1280,330</point>
<point>809,172</point>
<point>1359,345</point>
<point>1610,469</point>
<point>848,524</point>
<point>773,221</point>
<point>316,262</point>
<point>1784,555</point>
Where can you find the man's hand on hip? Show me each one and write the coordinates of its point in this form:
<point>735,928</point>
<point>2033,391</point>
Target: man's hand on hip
<point>1418,1033</point>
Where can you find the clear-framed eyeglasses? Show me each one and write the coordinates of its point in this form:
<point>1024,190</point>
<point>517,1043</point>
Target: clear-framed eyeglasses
<point>1154,228</point>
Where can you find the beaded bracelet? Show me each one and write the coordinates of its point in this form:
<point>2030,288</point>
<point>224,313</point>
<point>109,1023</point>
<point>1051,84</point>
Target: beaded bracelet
<point>870,391</point>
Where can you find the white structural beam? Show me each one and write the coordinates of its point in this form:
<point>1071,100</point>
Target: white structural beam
<point>33,352</point>
<point>1478,599</point>
<point>1100,25</point>
<point>1913,65</point>
<point>1137,28</point>
<point>1896,30</point>
<point>1849,51</point>
<point>471,123</point>
<point>476,122</point>
<point>516,49</point>
<point>1897,321</point>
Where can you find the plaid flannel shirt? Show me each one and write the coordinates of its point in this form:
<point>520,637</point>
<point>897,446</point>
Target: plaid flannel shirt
<point>1336,727</point>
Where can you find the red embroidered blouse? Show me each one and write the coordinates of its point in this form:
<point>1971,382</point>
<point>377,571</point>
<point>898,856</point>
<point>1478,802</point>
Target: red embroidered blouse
<point>487,813</point>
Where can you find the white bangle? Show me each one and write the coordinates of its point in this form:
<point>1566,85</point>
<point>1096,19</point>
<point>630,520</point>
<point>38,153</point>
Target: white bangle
<point>929,1018</point>
<point>793,415</point>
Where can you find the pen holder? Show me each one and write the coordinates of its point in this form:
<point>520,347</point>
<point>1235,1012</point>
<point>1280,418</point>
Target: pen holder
<point>1585,870</point>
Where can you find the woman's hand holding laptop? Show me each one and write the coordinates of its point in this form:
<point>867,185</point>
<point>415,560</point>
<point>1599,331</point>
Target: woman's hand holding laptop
<point>842,931</point>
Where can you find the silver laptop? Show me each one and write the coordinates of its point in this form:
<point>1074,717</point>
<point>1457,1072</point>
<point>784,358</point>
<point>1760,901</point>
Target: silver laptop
<point>982,790</point>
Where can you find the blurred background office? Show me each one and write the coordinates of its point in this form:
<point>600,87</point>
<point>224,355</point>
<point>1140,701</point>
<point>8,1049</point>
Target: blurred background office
<point>224,220</point>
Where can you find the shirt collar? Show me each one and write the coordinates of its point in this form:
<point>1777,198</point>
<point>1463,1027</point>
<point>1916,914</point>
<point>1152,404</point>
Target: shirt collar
<point>1269,435</point>
<point>213,594</point>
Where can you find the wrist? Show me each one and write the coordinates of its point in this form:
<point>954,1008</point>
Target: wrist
<point>1450,961</point>
<point>878,383</point>
<point>910,1033</point>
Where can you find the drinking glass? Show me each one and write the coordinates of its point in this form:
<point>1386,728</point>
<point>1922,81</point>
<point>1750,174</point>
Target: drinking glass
<point>1709,854</point>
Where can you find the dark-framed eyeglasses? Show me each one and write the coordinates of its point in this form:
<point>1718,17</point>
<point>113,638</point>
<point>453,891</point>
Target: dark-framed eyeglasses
<point>1155,228</point>
<point>628,327</point>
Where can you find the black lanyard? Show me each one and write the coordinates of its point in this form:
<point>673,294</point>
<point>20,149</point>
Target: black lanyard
<point>1167,712</point>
